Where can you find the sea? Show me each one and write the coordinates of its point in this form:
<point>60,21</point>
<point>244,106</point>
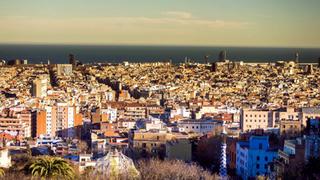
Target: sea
<point>116,54</point>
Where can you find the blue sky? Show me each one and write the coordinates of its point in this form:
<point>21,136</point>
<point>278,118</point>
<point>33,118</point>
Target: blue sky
<point>289,23</point>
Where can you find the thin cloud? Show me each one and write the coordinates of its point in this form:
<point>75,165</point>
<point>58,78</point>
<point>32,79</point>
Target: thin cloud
<point>179,14</point>
<point>177,19</point>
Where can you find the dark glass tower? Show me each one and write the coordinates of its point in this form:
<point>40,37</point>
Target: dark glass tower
<point>72,60</point>
<point>222,56</point>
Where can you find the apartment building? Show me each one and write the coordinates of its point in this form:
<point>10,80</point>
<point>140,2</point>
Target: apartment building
<point>197,126</point>
<point>290,158</point>
<point>254,156</point>
<point>16,122</point>
<point>149,142</point>
<point>289,118</point>
<point>57,120</point>
<point>290,127</point>
<point>135,111</point>
<point>256,119</point>
<point>39,87</point>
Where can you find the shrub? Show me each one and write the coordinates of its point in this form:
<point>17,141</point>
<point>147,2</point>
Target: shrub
<point>171,169</point>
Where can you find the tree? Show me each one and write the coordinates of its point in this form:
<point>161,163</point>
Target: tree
<point>51,167</point>
<point>171,170</point>
<point>208,153</point>
<point>2,173</point>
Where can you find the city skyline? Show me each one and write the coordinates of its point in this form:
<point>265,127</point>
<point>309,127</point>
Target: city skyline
<point>209,23</point>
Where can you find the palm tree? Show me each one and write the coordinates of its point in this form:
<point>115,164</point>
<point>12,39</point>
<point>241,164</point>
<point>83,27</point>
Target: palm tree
<point>51,167</point>
<point>1,172</point>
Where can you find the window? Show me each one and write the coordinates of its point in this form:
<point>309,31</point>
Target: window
<point>258,166</point>
<point>266,158</point>
<point>260,146</point>
<point>258,158</point>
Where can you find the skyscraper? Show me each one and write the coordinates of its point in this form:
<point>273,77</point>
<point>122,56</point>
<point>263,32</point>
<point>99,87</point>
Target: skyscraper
<point>297,57</point>
<point>222,56</point>
<point>206,59</point>
<point>72,60</point>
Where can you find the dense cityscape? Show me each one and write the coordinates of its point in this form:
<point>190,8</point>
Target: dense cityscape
<point>231,119</point>
<point>159,90</point>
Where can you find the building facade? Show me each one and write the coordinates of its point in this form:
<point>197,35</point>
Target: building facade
<point>256,119</point>
<point>254,156</point>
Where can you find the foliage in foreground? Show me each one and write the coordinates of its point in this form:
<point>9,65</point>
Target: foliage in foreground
<point>172,169</point>
<point>2,172</point>
<point>47,167</point>
<point>51,167</point>
<point>155,169</point>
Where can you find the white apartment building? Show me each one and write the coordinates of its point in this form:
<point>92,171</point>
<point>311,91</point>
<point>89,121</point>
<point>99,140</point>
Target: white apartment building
<point>197,126</point>
<point>50,120</point>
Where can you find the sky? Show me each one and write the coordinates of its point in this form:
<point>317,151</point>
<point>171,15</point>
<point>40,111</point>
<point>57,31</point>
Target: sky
<point>266,23</point>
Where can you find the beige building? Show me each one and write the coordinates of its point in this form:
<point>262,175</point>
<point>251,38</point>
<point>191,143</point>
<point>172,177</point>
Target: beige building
<point>288,114</point>
<point>39,87</point>
<point>290,127</point>
<point>135,111</point>
<point>149,142</point>
<point>64,69</point>
<point>256,119</point>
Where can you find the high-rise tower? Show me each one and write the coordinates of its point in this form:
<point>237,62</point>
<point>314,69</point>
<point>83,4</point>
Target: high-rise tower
<point>222,56</point>
<point>206,59</point>
<point>72,60</point>
<point>297,57</point>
